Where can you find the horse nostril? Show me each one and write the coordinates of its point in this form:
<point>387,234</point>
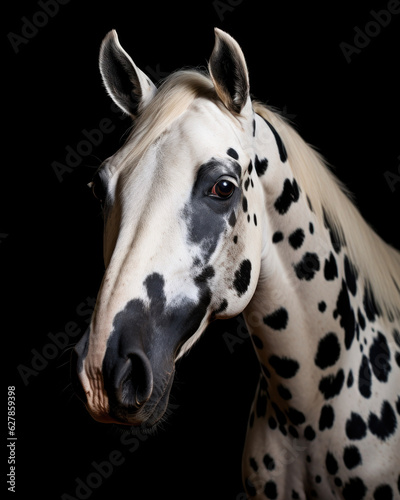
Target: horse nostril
<point>136,381</point>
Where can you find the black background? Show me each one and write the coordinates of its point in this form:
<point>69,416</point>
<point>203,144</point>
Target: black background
<point>51,231</point>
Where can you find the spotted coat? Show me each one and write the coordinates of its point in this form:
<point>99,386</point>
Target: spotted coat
<point>218,210</point>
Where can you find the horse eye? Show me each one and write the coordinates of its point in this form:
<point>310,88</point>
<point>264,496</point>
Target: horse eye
<point>223,189</point>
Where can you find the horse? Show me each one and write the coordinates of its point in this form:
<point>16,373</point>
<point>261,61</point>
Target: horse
<point>213,207</point>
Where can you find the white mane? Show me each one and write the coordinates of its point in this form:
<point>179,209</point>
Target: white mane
<point>375,260</point>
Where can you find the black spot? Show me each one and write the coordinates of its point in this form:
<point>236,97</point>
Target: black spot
<point>282,429</point>
<point>260,165</point>
<point>296,239</point>
<point>351,276</point>
<point>207,273</point>
<point>221,308</point>
<point>398,405</point>
<point>255,219</point>
<point>379,356</point>
<point>278,319</point>
<point>232,219</point>
<point>254,127</point>
<point>296,416</point>
<point>284,367</point>
<point>326,418</point>
<point>328,351</point>
<point>295,495</point>
<point>272,423</point>
<point>383,492</point>
<point>246,184</point>
<point>233,153</point>
<point>253,464</point>
<point>242,277</point>
<point>311,228</point>
<point>257,341</point>
<point>346,314</point>
<point>307,267</point>
<point>356,428</point>
<point>322,306</point>
<point>204,216</point>
<point>244,204</point>
<point>270,490</point>
<point>309,204</point>
<point>281,146</point>
<point>330,268</point>
<point>361,319</point>
<point>364,378</point>
<point>309,433</point>
<point>331,464</point>
<point>350,378</point>
<point>280,416</point>
<point>318,479</point>
<point>386,424</point>
<point>284,393</point>
<point>235,239</point>
<point>277,237</point>
<point>369,303</point>
<point>250,168</point>
<point>331,385</point>
<point>396,336</point>
<point>335,239</point>
<point>290,194</point>
<point>269,462</point>
<point>248,217</point>
<point>355,489</point>
<point>351,457</point>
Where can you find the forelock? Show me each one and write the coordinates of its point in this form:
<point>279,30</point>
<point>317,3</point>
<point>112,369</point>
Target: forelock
<point>175,95</point>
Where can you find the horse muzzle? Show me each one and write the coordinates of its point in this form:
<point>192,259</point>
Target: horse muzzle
<point>126,389</point>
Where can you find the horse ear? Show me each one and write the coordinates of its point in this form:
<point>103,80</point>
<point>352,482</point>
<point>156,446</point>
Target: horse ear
<point>228,71</point>
<point>126,84</point>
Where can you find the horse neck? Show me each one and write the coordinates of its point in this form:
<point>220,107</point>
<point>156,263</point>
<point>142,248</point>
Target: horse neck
<point>302,294</point>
